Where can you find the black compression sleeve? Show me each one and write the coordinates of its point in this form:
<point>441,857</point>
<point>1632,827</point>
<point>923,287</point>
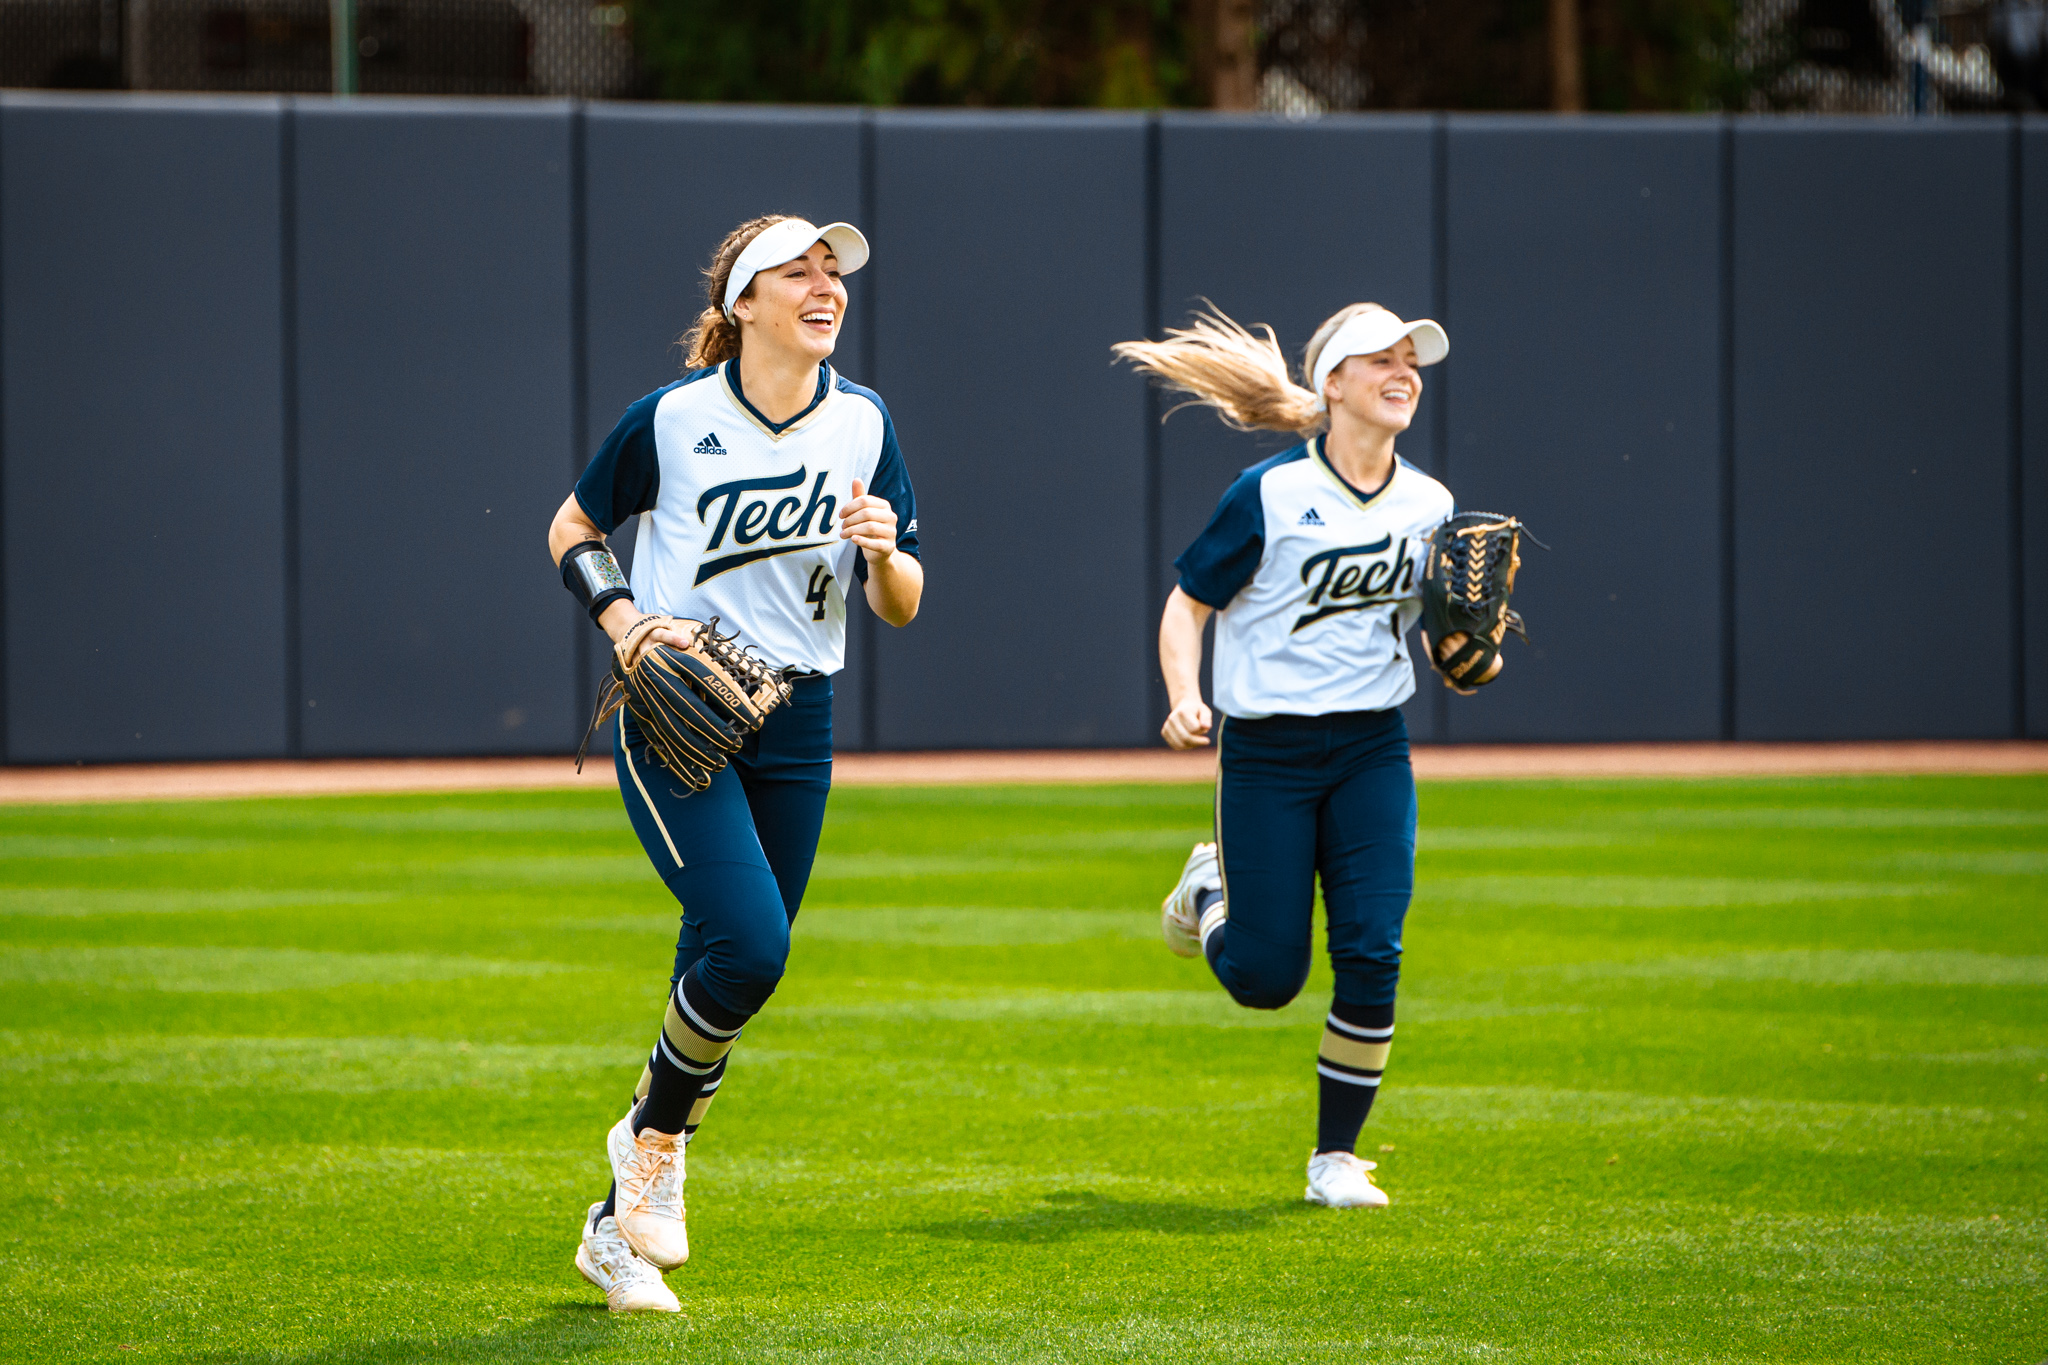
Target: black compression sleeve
<point>593,578</point>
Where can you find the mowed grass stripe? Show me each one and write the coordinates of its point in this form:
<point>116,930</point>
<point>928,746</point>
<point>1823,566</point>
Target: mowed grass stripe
<point>1651,892</point>
<point>333,1065</point>
<point>84,901</point>
<point>1824,967</point>
<point>1685,1071</point>
<point>244,969</point>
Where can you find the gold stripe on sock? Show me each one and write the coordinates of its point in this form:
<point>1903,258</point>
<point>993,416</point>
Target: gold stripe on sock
<point>699,1109</point>
<point>1350,1052</point>
<point>646,1082</point>
<point>688,1041</point>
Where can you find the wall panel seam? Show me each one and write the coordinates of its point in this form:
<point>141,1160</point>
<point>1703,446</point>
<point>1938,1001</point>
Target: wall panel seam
<point>1726,358</point>
<point>288,380</point>
<point>2016,341</point>
<point>864,621</point>
<point>1440,286</point>
<point>1155,494</point>
<point>5,751</point>
<point>580,654</point>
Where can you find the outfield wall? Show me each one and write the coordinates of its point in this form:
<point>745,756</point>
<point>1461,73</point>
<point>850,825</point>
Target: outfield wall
<point>289,389</point>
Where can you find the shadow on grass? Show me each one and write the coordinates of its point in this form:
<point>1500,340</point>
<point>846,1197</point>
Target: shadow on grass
<point>569,1330</point>
<point>1066,1214</point>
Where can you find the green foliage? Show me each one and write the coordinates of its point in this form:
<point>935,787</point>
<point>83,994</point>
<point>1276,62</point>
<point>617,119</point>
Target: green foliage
<point>1113,54</point>
<point>1664,55</point>
<point>1495,54</point>
<point>1686,1072</point>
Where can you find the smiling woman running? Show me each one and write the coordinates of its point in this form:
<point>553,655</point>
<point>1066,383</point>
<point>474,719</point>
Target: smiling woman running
<point>761,479</point>
<point>1311,566</point>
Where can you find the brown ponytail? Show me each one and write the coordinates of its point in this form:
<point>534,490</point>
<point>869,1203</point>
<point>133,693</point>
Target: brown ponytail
<point>712,340</point>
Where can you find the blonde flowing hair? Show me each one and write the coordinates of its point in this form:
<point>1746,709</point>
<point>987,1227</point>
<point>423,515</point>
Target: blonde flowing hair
<point>1220,365</point>
<point>712,340</point>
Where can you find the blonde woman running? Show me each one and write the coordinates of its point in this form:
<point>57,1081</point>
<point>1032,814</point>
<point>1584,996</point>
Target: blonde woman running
<point>1310,565</point>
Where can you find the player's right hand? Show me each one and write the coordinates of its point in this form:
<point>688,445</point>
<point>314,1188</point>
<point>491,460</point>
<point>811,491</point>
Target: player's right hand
<point>637,632</point>
<point>1188,725</point>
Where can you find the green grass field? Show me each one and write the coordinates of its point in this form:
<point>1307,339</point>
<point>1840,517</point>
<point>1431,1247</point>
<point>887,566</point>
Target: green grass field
<point>1711,1071</point>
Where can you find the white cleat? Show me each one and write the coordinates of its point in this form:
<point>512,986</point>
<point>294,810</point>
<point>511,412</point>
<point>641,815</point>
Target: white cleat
<point>1340,1180</point>
<point>630,1285</point>
<point>1178,922</point>
<point>648,1170</point>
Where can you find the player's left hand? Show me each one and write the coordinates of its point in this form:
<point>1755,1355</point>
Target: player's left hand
<point>1449,647</point>
<point>869,522</point>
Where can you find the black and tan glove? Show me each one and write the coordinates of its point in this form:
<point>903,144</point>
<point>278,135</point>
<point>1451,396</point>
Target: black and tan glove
<point>696,705</point>
<point>1467,580</point>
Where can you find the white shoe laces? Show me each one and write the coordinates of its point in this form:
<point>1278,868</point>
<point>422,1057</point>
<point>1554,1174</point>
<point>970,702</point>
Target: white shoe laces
<point>1347,1163</point>
<point>616,1259</point>
<point>1197,877</point>
<point>654,1180</point>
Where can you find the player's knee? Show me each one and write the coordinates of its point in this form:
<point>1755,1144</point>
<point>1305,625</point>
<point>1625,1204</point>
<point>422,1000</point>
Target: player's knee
<point>1266,986</point>
<point>1263,997</point>
<point>754,969</point>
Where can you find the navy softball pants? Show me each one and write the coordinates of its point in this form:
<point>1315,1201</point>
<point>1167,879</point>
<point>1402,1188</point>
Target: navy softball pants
<point>738,854</point>
<point>1299,797</point>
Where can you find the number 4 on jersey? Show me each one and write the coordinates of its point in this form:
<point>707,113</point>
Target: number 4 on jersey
<point>820,580</point>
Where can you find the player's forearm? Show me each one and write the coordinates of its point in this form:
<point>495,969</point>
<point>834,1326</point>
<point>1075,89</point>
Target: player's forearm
<point>895,587</point>
<point>569,528</point>
<point>1180,646</point>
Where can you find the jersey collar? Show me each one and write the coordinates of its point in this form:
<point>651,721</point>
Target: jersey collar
<point>1359,499</point>
<point>731,372</point>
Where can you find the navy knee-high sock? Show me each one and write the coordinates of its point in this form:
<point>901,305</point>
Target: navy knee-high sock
<point>1348,1067</point>
<point>690,1126</point>
<point>689,1055</point>
<point>684,1071</point>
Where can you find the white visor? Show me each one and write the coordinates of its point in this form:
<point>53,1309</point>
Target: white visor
<point>1369,333</point>
<point>786,241</point>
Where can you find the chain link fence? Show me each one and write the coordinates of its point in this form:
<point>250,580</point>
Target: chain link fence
<point>1315,56</point>
<point>1879,56</point>
<point>403,47</point>
<point>1813,56</point>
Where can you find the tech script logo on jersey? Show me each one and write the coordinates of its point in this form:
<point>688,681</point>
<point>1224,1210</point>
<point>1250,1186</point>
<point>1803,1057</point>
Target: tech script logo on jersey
<point>1354,577</point>
<point>750,519</point>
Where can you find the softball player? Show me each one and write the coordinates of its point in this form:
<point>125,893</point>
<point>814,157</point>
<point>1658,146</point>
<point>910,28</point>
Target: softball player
<point>761,479</point>
<point>1310,565</point>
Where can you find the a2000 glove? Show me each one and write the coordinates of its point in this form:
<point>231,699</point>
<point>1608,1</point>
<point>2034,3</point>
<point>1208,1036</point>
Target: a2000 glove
<point>697,704</point>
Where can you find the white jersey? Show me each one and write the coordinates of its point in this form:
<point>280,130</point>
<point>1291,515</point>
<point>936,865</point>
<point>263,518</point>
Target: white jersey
<point>1314,583</point>
<point>739,515</point>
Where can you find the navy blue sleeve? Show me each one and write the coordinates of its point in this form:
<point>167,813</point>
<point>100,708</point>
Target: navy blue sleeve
<point>624,477</point>
<point>891,484</point>
<point>1224,557</point>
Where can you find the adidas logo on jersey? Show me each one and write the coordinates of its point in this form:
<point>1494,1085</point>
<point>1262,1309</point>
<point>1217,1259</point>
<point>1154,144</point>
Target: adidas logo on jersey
<point>709,445</point>
<point>1309,518</point>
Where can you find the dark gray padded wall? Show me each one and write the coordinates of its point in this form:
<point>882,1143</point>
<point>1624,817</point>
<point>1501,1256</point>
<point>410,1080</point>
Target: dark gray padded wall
<point>435,429</point>
<point>1873,576</point>
<point>144,429</point>
<point>1285,223</point>
<point>2033,268</point>
<point>663,185</point>
<point>1009,256</point>
<point>1585,268</point>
